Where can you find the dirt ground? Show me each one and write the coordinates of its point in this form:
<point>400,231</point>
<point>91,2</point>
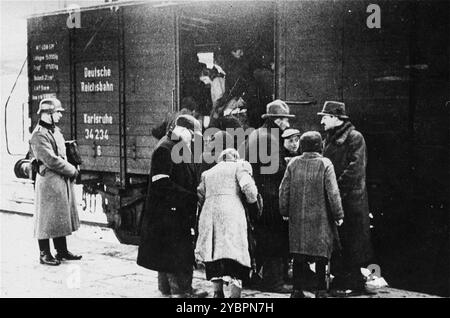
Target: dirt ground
<point>108,269</point>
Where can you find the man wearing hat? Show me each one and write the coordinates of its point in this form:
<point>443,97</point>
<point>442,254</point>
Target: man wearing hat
<point>56,214</point>
<point>166,244</point>
<point>346,148</point>
<point>271,231</point>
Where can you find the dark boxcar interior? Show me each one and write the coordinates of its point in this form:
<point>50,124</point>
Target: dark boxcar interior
<point>217,29</point>
<point>394,81</point>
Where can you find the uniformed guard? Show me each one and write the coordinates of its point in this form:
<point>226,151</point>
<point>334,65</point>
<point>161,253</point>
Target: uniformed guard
<point>56,214</point>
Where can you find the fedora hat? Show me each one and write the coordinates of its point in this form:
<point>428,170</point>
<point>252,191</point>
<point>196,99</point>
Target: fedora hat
<point>277,108</point>
<point>334,108</point>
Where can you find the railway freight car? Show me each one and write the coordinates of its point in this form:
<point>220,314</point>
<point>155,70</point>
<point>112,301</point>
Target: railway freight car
<point>120,68</point>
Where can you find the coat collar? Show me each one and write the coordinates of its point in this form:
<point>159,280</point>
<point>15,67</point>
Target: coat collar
<point>340,134</point>
<point>48,126</point>
<point>270,123</point>
<point>310,155</point>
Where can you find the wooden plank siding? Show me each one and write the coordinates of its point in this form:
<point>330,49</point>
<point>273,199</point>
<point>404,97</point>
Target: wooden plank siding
<point>96,45</point>
<point>49,30</point>
<point>308,40</point>
<point>150,79</point>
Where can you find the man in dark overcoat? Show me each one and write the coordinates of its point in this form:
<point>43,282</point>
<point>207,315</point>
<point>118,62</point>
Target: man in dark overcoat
<point>166,242</point>
<point>264,149</point>
<point>346,148</point>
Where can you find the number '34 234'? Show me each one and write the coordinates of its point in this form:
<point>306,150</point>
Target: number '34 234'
<point>96,134</point>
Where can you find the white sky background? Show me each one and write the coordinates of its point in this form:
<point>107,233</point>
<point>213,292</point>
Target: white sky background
<point>13,50</point>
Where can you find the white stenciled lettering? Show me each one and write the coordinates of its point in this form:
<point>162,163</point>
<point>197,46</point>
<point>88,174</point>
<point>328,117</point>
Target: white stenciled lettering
<point>43,77</point>
<point>97,134</point>
<point>90,87</point>
<point>52,56</point>
<point>97,72</point>
<point>97,119</point>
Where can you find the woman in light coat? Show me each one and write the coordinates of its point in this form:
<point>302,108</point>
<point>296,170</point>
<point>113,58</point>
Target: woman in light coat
<point>222,242</point>
<point>56,214</point>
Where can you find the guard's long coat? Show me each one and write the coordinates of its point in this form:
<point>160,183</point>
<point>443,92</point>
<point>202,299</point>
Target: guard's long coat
<point>56,212</point>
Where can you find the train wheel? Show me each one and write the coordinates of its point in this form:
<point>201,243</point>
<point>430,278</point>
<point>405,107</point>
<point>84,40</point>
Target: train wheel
<point>124,214</point>
<point>127,228</point>
<point>126,237</point>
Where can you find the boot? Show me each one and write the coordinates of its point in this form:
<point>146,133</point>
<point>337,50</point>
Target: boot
<point>48,259</point>
<point>60,244</point>
<point>67,256</point>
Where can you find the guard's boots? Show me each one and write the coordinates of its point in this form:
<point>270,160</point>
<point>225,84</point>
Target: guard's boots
<point>48,259</point>
<point>67,256</point>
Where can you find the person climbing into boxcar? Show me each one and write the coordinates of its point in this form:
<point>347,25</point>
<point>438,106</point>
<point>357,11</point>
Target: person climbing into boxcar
<point>216,83</point>
<point>166,242</point>
<point>188,107</point>
<point>237,67</point>
<point>222,242</point>
<point>271,230</point>
<point>310,200</point>
<point>263,75</point>
<point>346,148</point>
<point>56,214</point>
<point>241,86</point>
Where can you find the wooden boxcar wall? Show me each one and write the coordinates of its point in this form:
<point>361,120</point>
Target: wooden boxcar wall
<point>151,78</point>
<point>394,81</point>
<point>137,47</point>
<point>49,65</point>
<point>96,47</point>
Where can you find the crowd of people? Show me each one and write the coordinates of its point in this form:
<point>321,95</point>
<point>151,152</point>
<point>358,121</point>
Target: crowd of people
<point>246,217</point>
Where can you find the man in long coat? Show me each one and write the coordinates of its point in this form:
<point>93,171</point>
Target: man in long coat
<point>346,148</point>
<point>56,214</point>
<point>271,230</point>
<point>166,239</point>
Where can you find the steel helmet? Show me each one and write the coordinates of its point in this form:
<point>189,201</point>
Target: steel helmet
<point>50,105</point>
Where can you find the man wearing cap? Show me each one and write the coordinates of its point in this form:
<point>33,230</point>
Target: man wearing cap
<point>56,214</point>
<point>166,242</point>
<point>346,148</point>
<point>291,143</point>
<point>264,150</point>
